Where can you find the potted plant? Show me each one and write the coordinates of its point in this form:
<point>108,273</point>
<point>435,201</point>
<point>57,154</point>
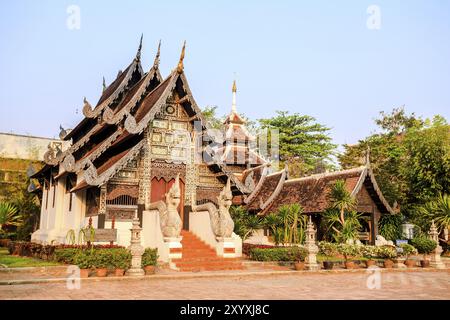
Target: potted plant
<point>329,250</point>
<point>369,252</point>
<point>149,260</point>
<point>387,253</point>
<point>102,260</point>
<point>424,246</point>
<point>408,250</point>
<point>121,261</point>
<point>84,261</point>
<point>348,251</point>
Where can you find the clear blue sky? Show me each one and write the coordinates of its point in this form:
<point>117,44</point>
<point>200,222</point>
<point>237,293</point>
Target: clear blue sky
<point>316,58</point>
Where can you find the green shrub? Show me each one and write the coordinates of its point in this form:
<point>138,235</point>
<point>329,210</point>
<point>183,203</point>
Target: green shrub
<point>368,252</point>
<point>386,252</point>
<point>103,258</point>
<point>84,259</point>
<point>65,255</point>
<point>328,249</point>
<point>424,245</point>
<point>150,257</point>
<point>408,250</point>
<point>278,254</point>
<point>348,250</point>
<point>121,259</point>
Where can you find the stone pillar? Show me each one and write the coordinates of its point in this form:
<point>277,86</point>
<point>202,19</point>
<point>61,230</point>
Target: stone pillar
<point>136,249</point>
<point>435,261</point>
<point>310,245</point>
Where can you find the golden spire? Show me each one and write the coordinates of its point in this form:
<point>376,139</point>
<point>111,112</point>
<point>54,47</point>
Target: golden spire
<point>156,62</point>
<point>233,105</point>
<point>180,66</point>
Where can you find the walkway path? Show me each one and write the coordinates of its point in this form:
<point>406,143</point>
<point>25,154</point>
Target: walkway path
<point>394,285</point>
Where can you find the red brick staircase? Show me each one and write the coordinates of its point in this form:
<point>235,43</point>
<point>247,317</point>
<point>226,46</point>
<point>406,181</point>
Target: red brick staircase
<point>198,256</point>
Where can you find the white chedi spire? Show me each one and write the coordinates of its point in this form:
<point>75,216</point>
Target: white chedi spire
<point>233,105</point>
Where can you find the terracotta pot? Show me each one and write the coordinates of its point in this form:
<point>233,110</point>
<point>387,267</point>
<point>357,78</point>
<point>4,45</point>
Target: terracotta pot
<point>410,263</point>
<point>328,265</point>
<point>388,264</point>
<point>349,265</point>
<point>370,263</point>
<point>84,273</point>
<point>119,272</point>
<point>149,270</point>
<point>299,265</point>
<point>101,272</point>
<point>425,263</point>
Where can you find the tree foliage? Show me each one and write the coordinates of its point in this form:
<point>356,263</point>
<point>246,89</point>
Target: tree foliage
<point>304,144</point>
<point>410,159</point>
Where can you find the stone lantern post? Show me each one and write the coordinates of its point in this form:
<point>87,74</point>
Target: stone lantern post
<point>436,261</point>
<point>136,249</point>
<point>311,247</point>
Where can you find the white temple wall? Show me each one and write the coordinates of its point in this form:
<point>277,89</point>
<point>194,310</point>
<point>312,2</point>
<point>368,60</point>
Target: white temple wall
<point>152,236</point>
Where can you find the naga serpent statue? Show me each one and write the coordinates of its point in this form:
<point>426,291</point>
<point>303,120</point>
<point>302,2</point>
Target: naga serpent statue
<point>221,223</point>
<point>170,220</point>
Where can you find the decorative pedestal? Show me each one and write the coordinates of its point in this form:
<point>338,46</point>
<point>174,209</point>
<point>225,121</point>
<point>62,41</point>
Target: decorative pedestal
<point>310,245</point>
<point>435,261</point>
<point>226,247</point>
<point>174,247</point>
<point>136,249</point>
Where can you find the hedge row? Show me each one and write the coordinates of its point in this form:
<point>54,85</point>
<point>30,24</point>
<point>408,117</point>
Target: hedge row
<point>278,254</point>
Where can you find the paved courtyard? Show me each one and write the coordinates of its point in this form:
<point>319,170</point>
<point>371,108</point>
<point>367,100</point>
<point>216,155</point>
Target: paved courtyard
<point>398,285</point>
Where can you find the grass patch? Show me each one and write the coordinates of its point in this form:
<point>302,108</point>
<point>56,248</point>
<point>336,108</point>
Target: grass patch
<point>18,262</point>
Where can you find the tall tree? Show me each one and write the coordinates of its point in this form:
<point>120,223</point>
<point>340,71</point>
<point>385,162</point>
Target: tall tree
<point>304,144</point>
<point>410,158</point>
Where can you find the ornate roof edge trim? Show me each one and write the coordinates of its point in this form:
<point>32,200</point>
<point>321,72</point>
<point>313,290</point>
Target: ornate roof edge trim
<point>327,174</point>
<point>118,117</point>
<point>378,192</point>
<point>258,187</point>
<point>274,195</point>
<point>89,113</point>
<point>97,180</point>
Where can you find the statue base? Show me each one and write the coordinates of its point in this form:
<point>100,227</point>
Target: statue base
<point>135,272</point>
<point>436,261</point>
<point>226,247</point>
<point>174,247</point>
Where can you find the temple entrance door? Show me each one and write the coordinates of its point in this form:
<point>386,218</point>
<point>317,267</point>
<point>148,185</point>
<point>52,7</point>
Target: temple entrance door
<point>159,189</point>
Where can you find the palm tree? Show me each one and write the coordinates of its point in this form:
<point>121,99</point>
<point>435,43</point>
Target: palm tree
<point>341,199</point>
<point>252,223</point>
<point>341,217</point>
<point>9,216</point>
<point>438,210</point>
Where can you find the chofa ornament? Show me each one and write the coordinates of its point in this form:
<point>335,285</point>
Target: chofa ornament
<point>50,156</point>
<point>90,174</point>
<point>87,109</point>
<point>69,163</point>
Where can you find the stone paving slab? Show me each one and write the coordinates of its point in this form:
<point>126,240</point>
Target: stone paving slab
<point>289,285</point>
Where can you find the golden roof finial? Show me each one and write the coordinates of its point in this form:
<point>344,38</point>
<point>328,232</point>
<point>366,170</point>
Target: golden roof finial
<point>180,66</point>
<point>234,86</point>
<point>156,62</point>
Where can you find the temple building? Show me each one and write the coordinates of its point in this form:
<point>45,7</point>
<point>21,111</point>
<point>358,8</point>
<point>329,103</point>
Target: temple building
<point>146,146</point>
